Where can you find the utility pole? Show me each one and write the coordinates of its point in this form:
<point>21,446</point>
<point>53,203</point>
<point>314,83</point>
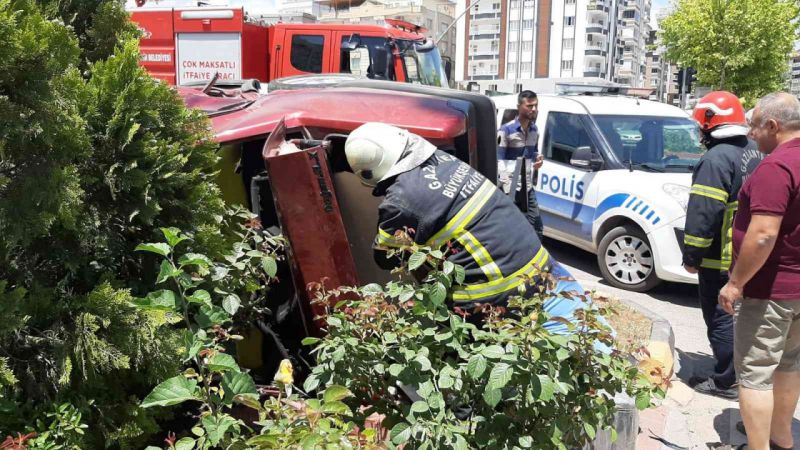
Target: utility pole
<point>683,88</point>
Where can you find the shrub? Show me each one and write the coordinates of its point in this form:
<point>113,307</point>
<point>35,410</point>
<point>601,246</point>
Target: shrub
<point>92,162</point>
<point>442,382</point>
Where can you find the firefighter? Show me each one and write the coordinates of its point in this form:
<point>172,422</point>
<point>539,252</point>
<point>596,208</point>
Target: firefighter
<point>707,249</point>
<point>437,199</point>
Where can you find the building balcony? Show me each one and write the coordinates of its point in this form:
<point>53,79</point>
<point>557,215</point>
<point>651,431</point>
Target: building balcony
<point>595,54</point>
<point>597,29</point>
<point>592,73</point>
<point>485,16</point>
<point>482,37</point>
<point>487,57</point>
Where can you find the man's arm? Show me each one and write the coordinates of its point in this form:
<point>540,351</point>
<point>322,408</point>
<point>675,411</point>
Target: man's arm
<point>758,242</point>
<point>391,219</point>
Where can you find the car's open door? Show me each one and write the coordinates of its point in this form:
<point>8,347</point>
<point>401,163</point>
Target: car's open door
<point>309,215</point>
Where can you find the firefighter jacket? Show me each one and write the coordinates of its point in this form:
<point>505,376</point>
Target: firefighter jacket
<point>716,181</point>
<point>445,200</point>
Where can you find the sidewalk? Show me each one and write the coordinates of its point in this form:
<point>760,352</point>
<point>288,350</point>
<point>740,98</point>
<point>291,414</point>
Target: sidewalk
<point>688,420</point>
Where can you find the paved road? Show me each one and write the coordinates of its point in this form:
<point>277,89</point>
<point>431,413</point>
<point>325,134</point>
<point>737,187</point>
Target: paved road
<point>691,420</point>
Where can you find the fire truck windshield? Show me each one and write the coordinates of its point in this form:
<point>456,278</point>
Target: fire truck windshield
<point>422,66</point>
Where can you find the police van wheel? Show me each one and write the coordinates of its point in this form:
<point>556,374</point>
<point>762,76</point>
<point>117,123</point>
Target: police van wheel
<point>626,259</point>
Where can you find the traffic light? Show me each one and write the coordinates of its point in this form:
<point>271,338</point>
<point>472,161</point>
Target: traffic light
<point>679,80</point>
<point>691,77</point>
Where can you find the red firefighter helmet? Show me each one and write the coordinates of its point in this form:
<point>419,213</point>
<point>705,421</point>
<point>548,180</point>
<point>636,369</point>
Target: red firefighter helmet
<point>719,108</point>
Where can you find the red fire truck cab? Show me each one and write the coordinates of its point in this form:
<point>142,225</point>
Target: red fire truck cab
<point>187,46</point>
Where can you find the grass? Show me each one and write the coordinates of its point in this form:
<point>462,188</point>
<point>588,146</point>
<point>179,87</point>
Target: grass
<point>632,327</point>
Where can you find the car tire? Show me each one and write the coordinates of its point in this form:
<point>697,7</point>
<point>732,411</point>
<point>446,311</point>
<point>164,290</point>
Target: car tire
<point>626,259</point>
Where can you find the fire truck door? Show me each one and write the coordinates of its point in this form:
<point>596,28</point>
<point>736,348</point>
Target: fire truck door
<point>310,219</point>
<point>305,51</point>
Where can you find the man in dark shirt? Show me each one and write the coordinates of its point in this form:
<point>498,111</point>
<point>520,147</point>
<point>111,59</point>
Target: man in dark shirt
<point>766,278</point>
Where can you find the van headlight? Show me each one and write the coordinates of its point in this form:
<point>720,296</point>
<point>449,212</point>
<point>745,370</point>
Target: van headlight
<point>679,193</point>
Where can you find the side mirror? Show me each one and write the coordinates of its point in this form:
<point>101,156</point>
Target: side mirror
<point>352,43</point>
<point>586,158</point>
<point>426,46</point>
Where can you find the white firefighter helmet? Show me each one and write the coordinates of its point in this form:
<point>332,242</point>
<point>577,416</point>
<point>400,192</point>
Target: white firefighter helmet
<point>377,151</point>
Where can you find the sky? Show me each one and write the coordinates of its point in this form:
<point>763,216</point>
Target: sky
<point>657,6</point>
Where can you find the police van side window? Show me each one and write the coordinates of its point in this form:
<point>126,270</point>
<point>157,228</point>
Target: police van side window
<point>307,53</point>
<point>565,132</point>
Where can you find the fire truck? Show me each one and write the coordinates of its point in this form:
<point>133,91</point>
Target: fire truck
<point>184,46</point>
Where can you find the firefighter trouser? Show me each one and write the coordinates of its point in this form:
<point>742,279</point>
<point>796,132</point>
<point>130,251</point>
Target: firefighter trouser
<point>533,214</point>
<point>719,325</point>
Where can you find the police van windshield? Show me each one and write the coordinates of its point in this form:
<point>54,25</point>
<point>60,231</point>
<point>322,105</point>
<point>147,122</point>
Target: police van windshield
<point>657,143</point>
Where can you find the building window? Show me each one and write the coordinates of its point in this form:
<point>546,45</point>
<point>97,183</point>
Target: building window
<point>307,53</point>
<point>495,46</point>
<point>527,46</point>
<point>512,46</point>
<point>566,65</point>
<point>512,67</point>
<point>525,67</point>
<point>569,43</point>
<point>514,4</point>
<point>493,68</point>
<point>569,21</point>
<point>570,2</point>
<point>527,24</point>
<point>496,6</point>
<point>629,14</point>
<point>514,26</point>
<point>474,48</point>
<point>528,3</point>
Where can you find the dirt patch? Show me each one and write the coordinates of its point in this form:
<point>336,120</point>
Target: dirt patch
<point>632,327</point>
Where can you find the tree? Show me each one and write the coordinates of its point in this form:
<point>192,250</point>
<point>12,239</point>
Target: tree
<point>737,45</point>
<point>95,157</point>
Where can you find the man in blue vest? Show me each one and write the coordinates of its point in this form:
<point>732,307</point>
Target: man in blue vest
<point>442,199</point>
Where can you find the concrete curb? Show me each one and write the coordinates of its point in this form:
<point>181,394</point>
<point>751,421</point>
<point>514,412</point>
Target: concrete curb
<point>662,339</point>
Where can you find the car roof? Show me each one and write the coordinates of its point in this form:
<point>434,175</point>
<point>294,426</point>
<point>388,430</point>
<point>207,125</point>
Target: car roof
<point>342,109</point>
<point>599,105</point>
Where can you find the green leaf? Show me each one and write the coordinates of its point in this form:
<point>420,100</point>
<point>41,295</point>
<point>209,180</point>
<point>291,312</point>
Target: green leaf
<point>390,338</point>
<point>238,384</point>
<point>336,407</point>
<point>311,383</point>
<point>161,300</point>
<point>476,366</point>
<point>589,430</point>
<point>208,316</point>
<point>500,376</point>
<point>194,259</point>
<point>448,267</point>
<point>200,296</point>
<point>231,303</point>
<point>173,236</point>
<point>159,248</point>
<point>416,260</point>
<point>173,391</point>
<point>335,392</point>
<point>548,388</point>
<point>217,426</point>
<point>643,400</point>
<point>310,341</point>
<point>312,442</point>
<point>460,274</point>
<point>222,362</point>
<point>424,362</point>
<point>461,443</point>
<point>419,407</point>
<point>192,343</point>
<point>493,352</point>
<point>400,433</point>
<point>186,443</point>
<point>438,293</point>
<point>270,266</point>
<point>492,396</point>
<point>525,441</point>
<point>167,271</point>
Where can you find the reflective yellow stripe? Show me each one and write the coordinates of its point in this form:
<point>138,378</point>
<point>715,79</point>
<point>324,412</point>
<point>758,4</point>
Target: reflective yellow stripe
<point>710,192</point>
<point>481,256</point>
<point>696,241</point>
<point>477,292</point>
<point>385,239</point>
<point>463,216</point>
<point>727,231</point>
<point>715,264</point>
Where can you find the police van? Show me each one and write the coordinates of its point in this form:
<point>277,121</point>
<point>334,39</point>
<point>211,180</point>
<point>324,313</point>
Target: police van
<point>615,181</point>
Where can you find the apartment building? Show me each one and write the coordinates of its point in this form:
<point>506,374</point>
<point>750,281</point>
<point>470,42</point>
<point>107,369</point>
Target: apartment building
<point>525,39</point>
<point>793,77</point>
<point>435,15</point>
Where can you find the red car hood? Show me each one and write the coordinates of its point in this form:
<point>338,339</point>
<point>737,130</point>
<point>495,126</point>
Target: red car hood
<point>340,109</point>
